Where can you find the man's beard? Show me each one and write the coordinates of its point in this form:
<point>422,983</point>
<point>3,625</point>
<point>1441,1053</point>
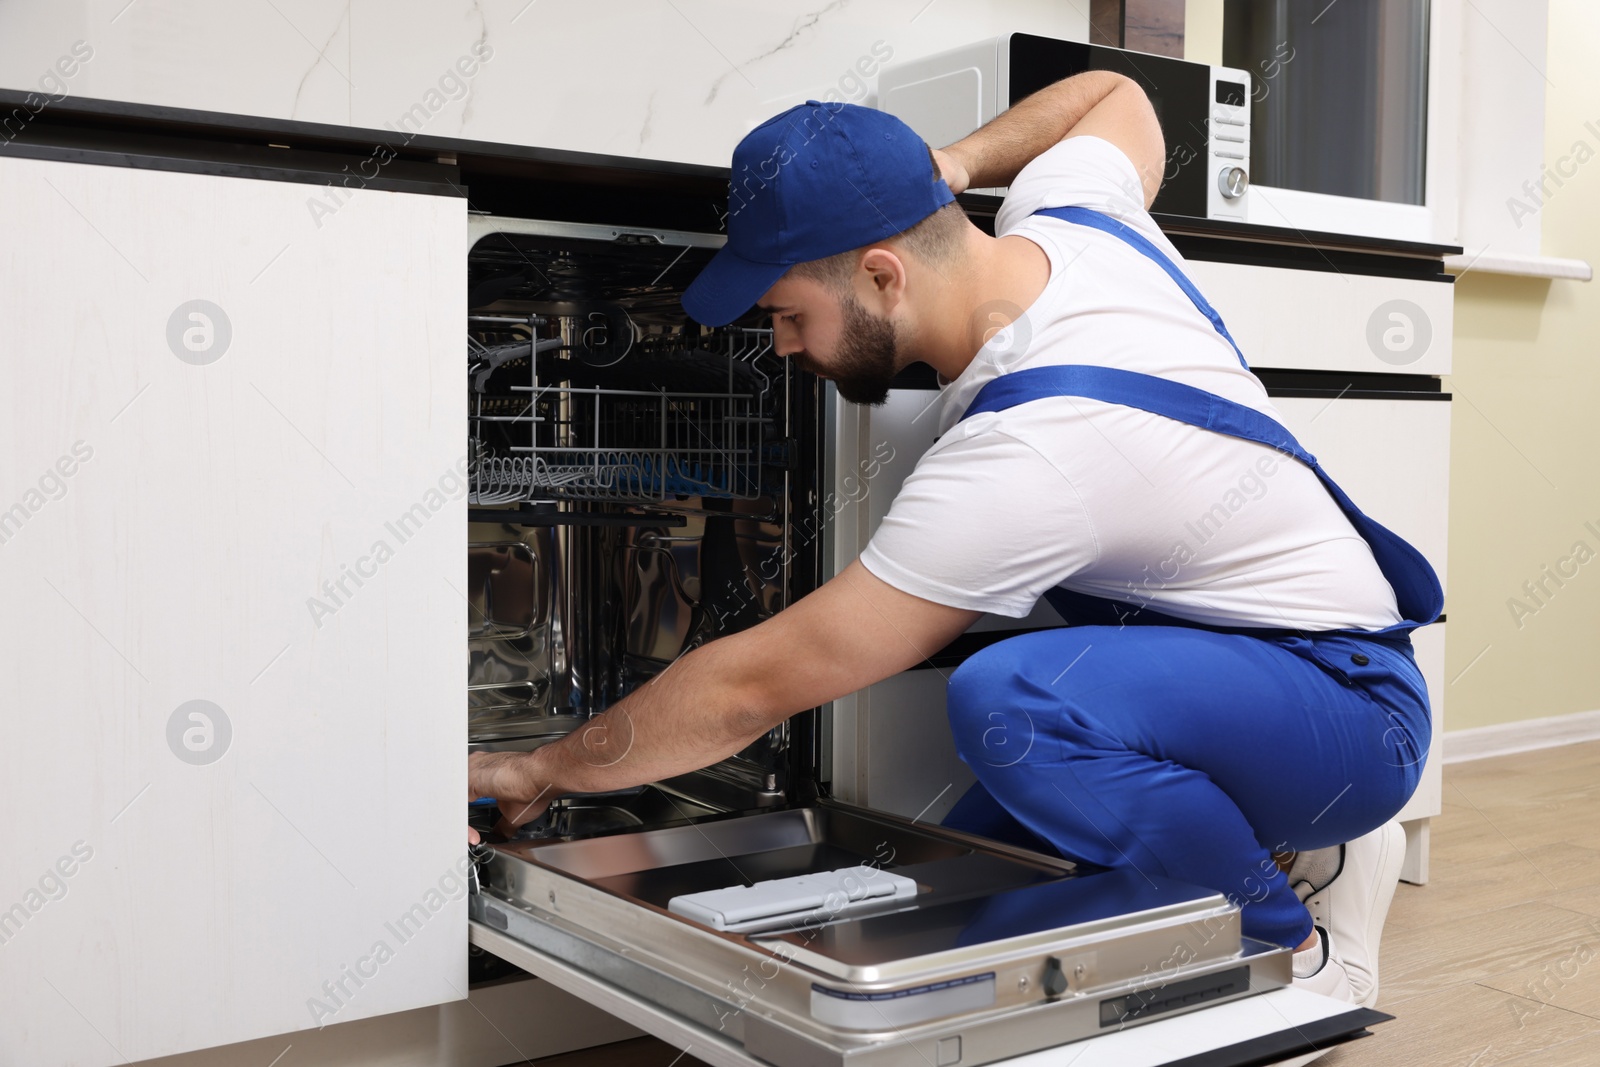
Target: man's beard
<point>865,364</point>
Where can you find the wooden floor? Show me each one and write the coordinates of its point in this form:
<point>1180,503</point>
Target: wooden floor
<point>1495,962</point>
<point>1497,959</point>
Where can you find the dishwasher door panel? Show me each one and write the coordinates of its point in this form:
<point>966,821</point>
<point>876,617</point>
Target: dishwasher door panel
<point>997,952</point>
<point>232,511</point>
<point>1263,1029</point>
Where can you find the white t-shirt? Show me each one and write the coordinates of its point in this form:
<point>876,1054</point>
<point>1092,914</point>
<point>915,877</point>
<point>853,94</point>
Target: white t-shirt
<point>1105,499</point>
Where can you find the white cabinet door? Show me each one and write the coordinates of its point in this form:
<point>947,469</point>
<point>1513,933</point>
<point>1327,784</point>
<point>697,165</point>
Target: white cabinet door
<point>232,676</point>
<point>1428,646</point>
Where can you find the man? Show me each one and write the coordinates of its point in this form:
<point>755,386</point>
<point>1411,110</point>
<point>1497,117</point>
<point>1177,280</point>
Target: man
<point>1238,681</point>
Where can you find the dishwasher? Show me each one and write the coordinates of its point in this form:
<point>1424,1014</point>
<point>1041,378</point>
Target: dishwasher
<point>641,485</point>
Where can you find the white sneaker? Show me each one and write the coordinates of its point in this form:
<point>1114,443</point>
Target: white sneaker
<point>1350,899</point>
<point>1319,970</point>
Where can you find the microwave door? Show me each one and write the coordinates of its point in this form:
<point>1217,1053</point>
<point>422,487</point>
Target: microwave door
<point>1180,91</point>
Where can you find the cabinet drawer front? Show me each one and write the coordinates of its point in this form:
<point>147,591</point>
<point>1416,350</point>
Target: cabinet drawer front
<point>1319,320</point>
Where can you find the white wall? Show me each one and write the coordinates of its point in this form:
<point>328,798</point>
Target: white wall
<point>680,80</point>
<point>1503,86</point>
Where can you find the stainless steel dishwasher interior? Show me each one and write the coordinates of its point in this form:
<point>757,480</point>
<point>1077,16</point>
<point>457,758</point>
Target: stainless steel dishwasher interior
<point>631,486</point>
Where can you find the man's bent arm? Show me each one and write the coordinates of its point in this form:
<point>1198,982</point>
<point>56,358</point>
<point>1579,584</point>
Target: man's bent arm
<point>717,699</point>
<point>1096,103</point>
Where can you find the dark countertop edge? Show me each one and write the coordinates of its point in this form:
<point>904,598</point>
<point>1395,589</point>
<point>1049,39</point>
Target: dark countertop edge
<point>1185,225</point>
<point>232,170</point>
<point>162,118</point>
<point>1286,235</point>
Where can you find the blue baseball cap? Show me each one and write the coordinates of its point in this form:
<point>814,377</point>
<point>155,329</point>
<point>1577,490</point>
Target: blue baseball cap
<point>815,181</point>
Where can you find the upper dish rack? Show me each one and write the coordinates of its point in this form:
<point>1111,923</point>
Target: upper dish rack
<point>597,413</point>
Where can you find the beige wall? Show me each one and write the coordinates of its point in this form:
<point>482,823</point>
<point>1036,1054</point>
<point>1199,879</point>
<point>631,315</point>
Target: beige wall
<point>1525,450</point>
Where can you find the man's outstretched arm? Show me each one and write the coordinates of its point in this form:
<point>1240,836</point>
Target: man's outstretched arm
<point>1096,103</point>
<point>717,699</point>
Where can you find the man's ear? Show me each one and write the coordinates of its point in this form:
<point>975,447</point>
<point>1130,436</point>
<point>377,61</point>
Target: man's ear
<point>881,280</point>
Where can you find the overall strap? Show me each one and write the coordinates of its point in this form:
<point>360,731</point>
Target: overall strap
<point>1106,224</point>
<point>1416,586</point>
<point>1159,396</point>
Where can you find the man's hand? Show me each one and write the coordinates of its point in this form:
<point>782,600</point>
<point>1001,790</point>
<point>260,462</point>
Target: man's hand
<point>512,779</point>
<point>952,170</point>
<point>716,699</point>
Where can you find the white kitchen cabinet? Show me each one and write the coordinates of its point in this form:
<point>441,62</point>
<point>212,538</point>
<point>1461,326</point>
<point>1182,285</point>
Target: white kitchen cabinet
<point>498,1023</point>
<point>1427,801</point>
<point>255,503</point>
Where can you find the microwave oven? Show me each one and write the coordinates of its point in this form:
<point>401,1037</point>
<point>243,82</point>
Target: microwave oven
<point>1204,110</point>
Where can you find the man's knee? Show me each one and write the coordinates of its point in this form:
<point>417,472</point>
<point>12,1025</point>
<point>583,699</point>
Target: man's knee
<point>1002,707</point>
<point>988,678</point>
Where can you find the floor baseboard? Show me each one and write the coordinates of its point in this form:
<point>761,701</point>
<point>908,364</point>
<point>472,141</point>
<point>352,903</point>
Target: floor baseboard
<point>1502,739</point>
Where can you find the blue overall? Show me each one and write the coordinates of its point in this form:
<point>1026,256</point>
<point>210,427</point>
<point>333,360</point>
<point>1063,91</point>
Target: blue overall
<point>1138,740</point>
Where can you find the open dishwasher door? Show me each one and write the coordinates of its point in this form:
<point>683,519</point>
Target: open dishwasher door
<point>997,953</point>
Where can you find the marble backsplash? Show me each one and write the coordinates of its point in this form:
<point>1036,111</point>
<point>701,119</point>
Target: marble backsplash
<point>666,79</point>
